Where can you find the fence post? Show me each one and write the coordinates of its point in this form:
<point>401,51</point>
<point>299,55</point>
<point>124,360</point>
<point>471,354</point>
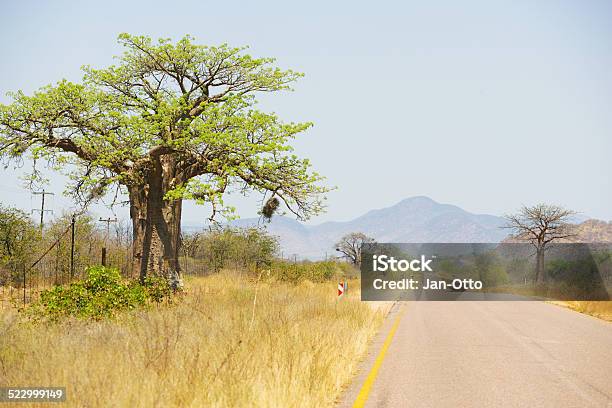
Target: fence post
<point>58,254</point>
<point>72,248</point>
<point>103,256</point>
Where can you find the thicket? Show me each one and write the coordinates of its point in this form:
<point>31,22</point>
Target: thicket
<point>18,236</point>
<point>248,248</point>
<point>46,256</point>
<point>62,285</point>
<point>255,251</point>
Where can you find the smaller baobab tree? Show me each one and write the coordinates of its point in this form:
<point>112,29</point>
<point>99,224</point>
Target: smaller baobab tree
<point>350,246</point>
<point>540,225</point>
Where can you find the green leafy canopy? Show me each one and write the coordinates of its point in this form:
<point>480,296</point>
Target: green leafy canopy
<point>192,104</point>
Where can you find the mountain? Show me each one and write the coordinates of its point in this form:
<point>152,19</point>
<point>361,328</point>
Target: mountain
<point>416,219</point>
<point>592,231</point>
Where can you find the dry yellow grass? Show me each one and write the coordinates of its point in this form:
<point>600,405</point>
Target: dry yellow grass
<point>600,309</point>
<point>296,346</point>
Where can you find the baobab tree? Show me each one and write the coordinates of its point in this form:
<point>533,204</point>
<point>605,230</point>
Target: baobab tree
<point>350,246</point>
<point>171,121</point>
<point>540,225</point>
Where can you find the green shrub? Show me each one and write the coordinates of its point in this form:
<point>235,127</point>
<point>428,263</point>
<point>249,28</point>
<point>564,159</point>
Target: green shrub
<point>495,275</point>
<point>100,295</point>
<point>157,289</point>
<point>249,248</point>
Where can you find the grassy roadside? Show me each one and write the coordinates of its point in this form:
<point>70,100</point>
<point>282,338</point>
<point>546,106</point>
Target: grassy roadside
<point>600,309</point>
<point>231,342</point>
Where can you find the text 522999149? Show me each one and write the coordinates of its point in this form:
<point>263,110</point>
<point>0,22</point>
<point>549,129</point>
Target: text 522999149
<point>32,394</point>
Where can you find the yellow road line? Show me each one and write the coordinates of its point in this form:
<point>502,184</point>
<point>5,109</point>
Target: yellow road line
<point>364,393</point>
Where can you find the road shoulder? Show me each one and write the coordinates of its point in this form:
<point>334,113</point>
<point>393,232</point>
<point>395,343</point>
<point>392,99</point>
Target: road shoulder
<point>350,395</point>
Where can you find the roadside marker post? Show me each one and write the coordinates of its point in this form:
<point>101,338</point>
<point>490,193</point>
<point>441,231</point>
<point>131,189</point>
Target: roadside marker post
<point>342,288</point>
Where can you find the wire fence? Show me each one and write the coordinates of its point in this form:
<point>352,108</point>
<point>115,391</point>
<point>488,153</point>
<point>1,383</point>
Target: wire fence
<point>64,255</point>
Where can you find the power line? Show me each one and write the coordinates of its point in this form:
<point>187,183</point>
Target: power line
<point>108,222</point>
<point>42,207</point>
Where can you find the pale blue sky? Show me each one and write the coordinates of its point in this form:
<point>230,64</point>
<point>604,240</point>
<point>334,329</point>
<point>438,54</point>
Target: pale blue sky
<point>468,102</point>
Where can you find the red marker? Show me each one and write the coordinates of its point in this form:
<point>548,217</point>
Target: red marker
<point>342,287</point>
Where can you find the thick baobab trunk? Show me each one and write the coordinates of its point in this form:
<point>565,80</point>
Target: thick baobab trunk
<point>156,226</point>
<point>540,272</point>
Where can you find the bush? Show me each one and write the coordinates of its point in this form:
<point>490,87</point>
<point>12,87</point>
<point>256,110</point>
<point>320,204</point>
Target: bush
<point>312,271</point>
<point>495,275</point>
<point>157,289</point>
<point>249,248</point>
<point>18,236</point>
<point>101,295</point>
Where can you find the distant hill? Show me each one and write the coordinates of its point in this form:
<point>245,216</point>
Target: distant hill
<point>592,231</point>
<point>589,231</point>
<point>416,219</point>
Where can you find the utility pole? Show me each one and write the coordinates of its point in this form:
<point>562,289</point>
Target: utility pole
<point>42,207</point>
<point>108,222</point>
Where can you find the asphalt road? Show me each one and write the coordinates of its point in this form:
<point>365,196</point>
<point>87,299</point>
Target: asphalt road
<point>489,354</point>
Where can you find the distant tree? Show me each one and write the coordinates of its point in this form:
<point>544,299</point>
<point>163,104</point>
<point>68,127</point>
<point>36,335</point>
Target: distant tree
<point>191,243</point>
<point>170,121</point>
<point>18,238</point>
<point>540,225</point>
<point>350,246</point>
